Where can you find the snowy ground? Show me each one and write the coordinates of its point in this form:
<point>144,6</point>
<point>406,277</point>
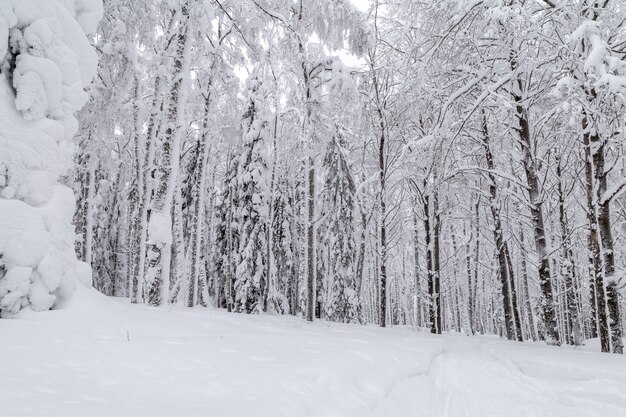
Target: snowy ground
<point>101,358</point>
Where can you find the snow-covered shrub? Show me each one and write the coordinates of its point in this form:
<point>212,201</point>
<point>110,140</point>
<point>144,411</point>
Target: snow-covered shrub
<point>46,61</point>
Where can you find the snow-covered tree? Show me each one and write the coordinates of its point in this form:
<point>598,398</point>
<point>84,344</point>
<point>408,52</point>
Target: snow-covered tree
<point>336,245</point>
<point>283,278</point>
<point>226,240</point>
<point>253,200</point>
<point>46,61</point>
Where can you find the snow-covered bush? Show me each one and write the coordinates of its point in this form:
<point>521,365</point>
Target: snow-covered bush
<point>46,61</point>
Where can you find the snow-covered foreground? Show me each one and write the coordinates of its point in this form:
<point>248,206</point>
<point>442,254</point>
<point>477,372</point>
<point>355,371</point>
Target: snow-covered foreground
<point>100,358</point>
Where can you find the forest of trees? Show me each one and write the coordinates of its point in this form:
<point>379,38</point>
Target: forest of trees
<point>455,165</point>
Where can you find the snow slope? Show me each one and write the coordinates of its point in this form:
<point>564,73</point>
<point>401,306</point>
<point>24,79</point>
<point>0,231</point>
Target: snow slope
<point>101,357</point>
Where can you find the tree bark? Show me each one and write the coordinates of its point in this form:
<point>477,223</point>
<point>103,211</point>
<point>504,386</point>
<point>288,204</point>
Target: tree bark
<point>197,216</point>
<point>571,307</point>
<point>602,213</point>
<point>597,267</point>
<point>437,261</point>
<point>310,230</point>
<point>159,253</point>
<point>416,273</point>
<point>511,315</point>
<point>536,214</point>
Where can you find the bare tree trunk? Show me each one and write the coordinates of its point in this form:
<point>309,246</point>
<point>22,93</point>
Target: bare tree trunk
<point>177,258</point>
<point>612,292</point>
<point>416,272</point>
<point>594,237</point>
<point>511,315</point>
<point>437,261</point>
<point>602,213</point>
<point>230,272</point>
<point>135,197</point>
<point>513,298</point>
<point>114,214</point>
<point>382,202</point>
<point>199,191</point>
<point>310,230</point>
<point>528,308</point>
<point>536,214</point>
<point>575,335</point>
<point>383,231</point>
<point>207,239</point>
<point>361,258</point>
<point>432,314</point>
<point>310,178</point>
<point>462,317</point>
<point>474,299</point>
<point>469,237</point>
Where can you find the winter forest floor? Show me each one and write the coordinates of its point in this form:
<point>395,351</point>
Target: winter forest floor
<point>104,358</point>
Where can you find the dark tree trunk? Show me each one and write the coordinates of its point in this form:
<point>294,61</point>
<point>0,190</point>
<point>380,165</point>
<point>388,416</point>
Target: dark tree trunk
<point>597,149</point>
<point>437,261</point>
<point>597,267</point>
<point>536,215</point>
<point>310,270</point>
<point>416,272</point>
<point>511,315</point>
<point>571,305</point>
<point>528,308</point>
<point>432,315</point>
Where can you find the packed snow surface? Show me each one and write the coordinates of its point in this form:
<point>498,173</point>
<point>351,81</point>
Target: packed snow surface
<point>105,358</point>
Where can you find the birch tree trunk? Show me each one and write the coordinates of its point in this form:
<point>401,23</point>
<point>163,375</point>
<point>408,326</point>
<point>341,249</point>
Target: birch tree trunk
<point>199,192</point>
<point>596,260</point>
<point>603,250</point>
<point>382,316</point>
<point>475,300</point>
<point>434,300</point>
<point>160,233</point>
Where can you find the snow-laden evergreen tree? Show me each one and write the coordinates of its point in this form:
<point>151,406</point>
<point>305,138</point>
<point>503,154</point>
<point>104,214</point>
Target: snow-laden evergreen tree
<point>283,273</point>
<point>226,237</point>
<point>46,62</point>
<point>336,245</point>
<point>253,200</point>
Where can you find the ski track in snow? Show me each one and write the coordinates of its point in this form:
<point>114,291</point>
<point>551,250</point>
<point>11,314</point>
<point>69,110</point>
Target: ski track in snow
<point>102,358</point>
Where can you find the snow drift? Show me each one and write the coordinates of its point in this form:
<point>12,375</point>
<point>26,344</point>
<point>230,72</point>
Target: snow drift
<point>46,61</point>
<point>108,358</point>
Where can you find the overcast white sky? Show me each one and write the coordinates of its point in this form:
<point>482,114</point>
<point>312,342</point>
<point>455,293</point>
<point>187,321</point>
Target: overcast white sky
<point>361,4</point>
